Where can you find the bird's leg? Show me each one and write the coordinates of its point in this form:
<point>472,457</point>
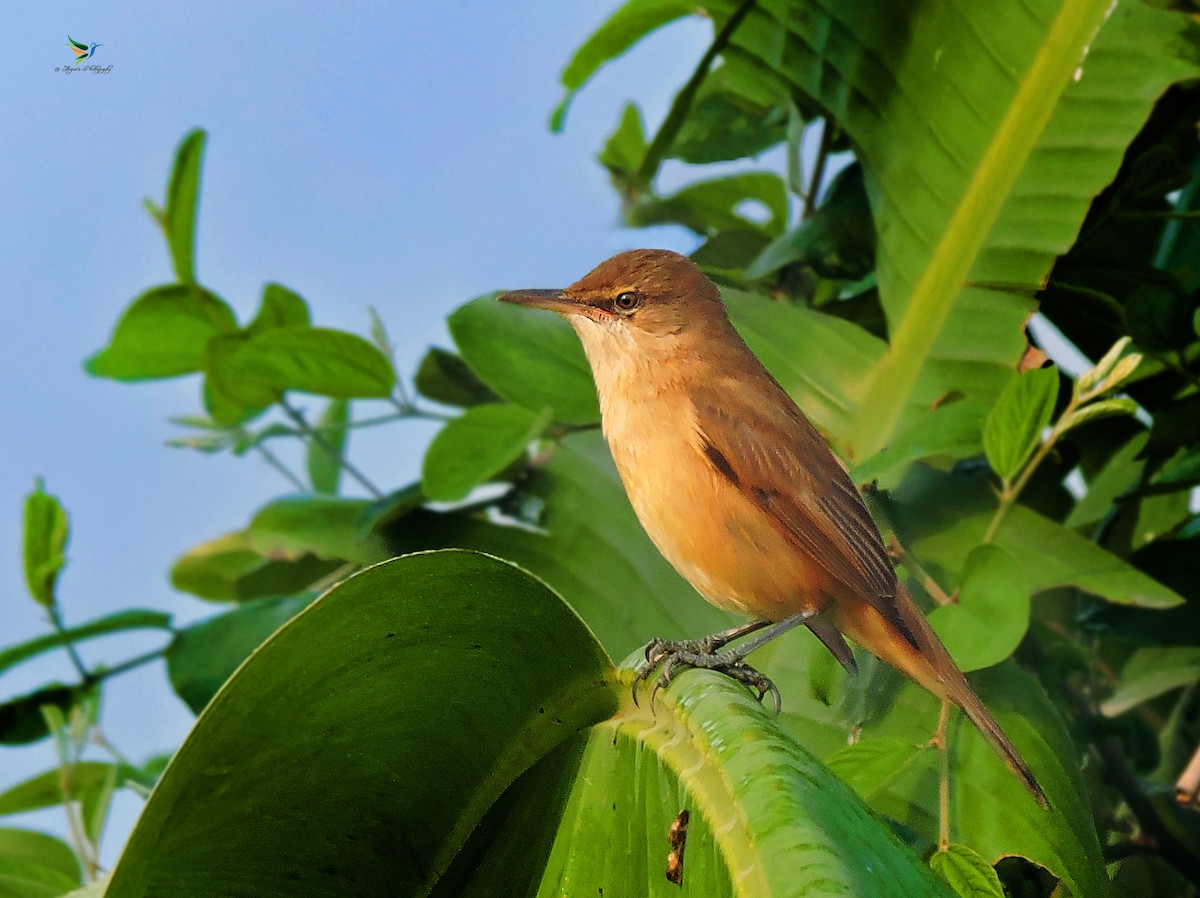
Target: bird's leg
<point>706,654</point>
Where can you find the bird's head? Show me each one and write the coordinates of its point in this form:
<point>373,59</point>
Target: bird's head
<point>645,302</point>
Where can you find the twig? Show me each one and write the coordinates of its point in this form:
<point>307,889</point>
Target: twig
<point>299,420</point>
<point>69,645</point>
<point>273,460</point>
<point>682,104</point>
<point>810,196</point>
<point>906,558</point>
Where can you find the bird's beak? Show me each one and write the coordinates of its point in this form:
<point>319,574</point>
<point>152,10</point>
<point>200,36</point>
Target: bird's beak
<point>554,300</point>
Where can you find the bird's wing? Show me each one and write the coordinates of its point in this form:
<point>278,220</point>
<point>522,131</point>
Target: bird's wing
<point>776,458</point>
<point>78,47</point>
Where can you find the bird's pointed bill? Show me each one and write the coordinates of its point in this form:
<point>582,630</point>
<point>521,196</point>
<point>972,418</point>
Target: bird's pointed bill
<point>554,300</point>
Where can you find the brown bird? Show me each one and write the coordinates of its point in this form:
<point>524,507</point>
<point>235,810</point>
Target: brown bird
<point>737,489</point>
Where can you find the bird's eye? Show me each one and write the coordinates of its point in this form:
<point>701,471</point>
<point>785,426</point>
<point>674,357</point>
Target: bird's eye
<point>627,302</point>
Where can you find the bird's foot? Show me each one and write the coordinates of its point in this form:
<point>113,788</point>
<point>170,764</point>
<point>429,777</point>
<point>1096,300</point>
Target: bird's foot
<point>668,658</point>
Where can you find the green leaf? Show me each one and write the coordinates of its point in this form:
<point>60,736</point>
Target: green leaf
<point>723,125</point>
<point>118,622</point>
<point>324,466</point>
<point>229,400</point>
<point>1106,408</point>
<point>1014,426</point>
<point>476,446</point>
<point>325,526</point>
<point>280,307</point>
<point>349,679</point>
<point>719,204</point>
<point>444,377</point>
<point>95,805</point>
<point>313,360</point>
<point>163,333</point>
<point>21,718</point>
<point>622,30</point>
<point>510,778</point>
<point>967,873</point>
<point>183,196</point>
<point>626,146</point>
<point>229,568</point>
<point>203,656</point>
<point>991,616</point>
<point>40,849</point>
<point>46,789</point>
<point>24,879</point>
<point>941,518</point>
<point>1110,372</point>
<point>529,357</point>
<point>953,431</point>
<point>1149,673</point>
<point>46,531</point>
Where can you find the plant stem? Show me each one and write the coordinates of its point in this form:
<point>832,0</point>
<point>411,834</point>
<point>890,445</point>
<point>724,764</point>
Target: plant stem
<point>299,420</point>
<point>273,460</point>
<point>72,652</point>
<point>682,104</point>
<point>943,779</point>
<point>124,666</point>
<point>814,186</point>
<point>1009,493</point>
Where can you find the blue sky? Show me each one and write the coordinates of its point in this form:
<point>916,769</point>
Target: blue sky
<point>394,156</point>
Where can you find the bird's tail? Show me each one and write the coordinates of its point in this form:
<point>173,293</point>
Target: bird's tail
<point>920,655</point>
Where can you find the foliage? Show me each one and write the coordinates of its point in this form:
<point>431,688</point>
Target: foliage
<point>883,259</point>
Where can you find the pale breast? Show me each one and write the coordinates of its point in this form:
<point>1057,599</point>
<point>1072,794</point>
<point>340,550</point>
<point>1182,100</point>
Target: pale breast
<point>720,542</point>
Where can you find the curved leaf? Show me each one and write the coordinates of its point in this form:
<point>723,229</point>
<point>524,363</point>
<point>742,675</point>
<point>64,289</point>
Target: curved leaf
<point>317,360</point>
<point>163,333</point>
<point>45,532</point>
<point>183,196</point>
<point>356,750</point>
<point>118,622</point>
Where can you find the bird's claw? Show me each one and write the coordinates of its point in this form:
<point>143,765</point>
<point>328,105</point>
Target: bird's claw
<point>699,654</point>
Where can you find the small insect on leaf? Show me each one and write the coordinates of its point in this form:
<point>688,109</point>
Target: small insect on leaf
<point>677,839</point>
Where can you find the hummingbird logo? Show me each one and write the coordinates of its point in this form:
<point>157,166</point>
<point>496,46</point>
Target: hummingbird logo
<point>81,51</point>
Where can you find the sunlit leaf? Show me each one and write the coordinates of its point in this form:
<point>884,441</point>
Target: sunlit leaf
<point>991,616</point>
<point>477,445</point>
<point>45,534</point>
<point>163,333</point>
<point>967,873</point>
<point>1013,428</point>
<point>183,197</point>
<point>280,307</point>
<point>312,360</point>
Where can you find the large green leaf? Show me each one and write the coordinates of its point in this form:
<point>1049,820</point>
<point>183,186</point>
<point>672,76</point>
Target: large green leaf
<point>230,568</point>
<point>317,360</point>
<point>355,752</point>
<point>46,789</point>
<point>528,769</point>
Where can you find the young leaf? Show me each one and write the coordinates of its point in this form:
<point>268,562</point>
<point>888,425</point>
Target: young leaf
<point>163,334</point>
<point>477,445</point>
<point>528,357</point>
<point>1089,383</point>
<point>183,195</point>
<point>444,377</point>
<point>967,873</point>
<point>626,146</point>
<point>280,307</point>
<point>324,468</point>
<point>991,616</point>
<point>1014,426</point>
<point>46,531</point>
<point>313,360</point>
<point>1106,408</point>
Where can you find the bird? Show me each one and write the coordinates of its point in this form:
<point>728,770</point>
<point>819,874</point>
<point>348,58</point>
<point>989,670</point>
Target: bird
<point>81,51</point>
<point>738,490</point>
